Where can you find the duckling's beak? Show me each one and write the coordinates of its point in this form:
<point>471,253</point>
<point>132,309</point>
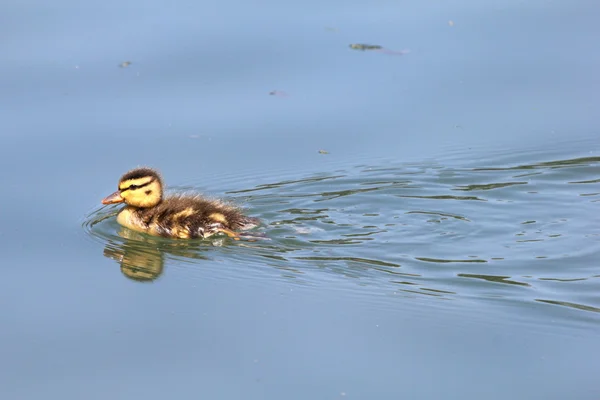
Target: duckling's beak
<point>113,198</point>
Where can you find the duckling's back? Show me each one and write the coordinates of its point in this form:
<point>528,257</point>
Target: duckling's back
<point>194,216</point>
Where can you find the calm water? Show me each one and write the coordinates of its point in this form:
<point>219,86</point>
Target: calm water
<point>443,244</point>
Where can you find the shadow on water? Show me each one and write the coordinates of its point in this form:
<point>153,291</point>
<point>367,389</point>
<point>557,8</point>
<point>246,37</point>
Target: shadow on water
<point>403,229</point>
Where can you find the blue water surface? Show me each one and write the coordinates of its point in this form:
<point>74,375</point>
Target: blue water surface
<point>431,217</point>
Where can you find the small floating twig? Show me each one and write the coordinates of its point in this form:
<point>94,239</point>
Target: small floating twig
<point>377,48</point>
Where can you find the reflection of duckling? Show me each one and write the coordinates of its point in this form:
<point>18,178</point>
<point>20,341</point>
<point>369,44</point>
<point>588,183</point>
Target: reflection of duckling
<point>142,258</point>
<point>140,264</point>
<point>177,216</point>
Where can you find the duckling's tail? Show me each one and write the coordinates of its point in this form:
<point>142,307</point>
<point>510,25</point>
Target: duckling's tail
<point>248,223</point>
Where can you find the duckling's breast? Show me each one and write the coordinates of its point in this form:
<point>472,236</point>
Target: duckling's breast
<point>130,219</point>
<point>154,223</point>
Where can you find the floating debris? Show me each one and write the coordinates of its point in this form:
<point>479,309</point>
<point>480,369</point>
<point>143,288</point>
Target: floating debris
<point>278,93</point>
<point>364,46</point>
<point>377,48</point>
<point>125,64</point>
<point>450,23</point>
<point>323,152</point>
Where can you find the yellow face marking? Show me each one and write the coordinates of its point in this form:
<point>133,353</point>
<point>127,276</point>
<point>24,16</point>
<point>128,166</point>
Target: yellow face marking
<point>218,217</point>
<point>137,182</point>
<point>140,195</point>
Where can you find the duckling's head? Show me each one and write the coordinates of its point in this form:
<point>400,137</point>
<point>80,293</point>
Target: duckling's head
<point>140,187</point>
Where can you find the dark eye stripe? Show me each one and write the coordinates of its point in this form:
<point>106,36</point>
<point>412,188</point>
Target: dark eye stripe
<point>136,187</point>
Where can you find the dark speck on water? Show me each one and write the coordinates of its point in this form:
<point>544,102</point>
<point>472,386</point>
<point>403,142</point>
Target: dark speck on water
<point>278,93</point>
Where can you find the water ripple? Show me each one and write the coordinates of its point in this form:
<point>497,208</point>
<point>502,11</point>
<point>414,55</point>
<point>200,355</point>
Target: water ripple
<point>527,237</point>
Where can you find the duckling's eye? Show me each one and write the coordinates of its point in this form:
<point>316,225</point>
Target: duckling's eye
<point>133,187</point>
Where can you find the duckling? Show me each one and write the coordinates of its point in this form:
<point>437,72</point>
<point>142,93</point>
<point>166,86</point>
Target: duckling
<point>175,216</point>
